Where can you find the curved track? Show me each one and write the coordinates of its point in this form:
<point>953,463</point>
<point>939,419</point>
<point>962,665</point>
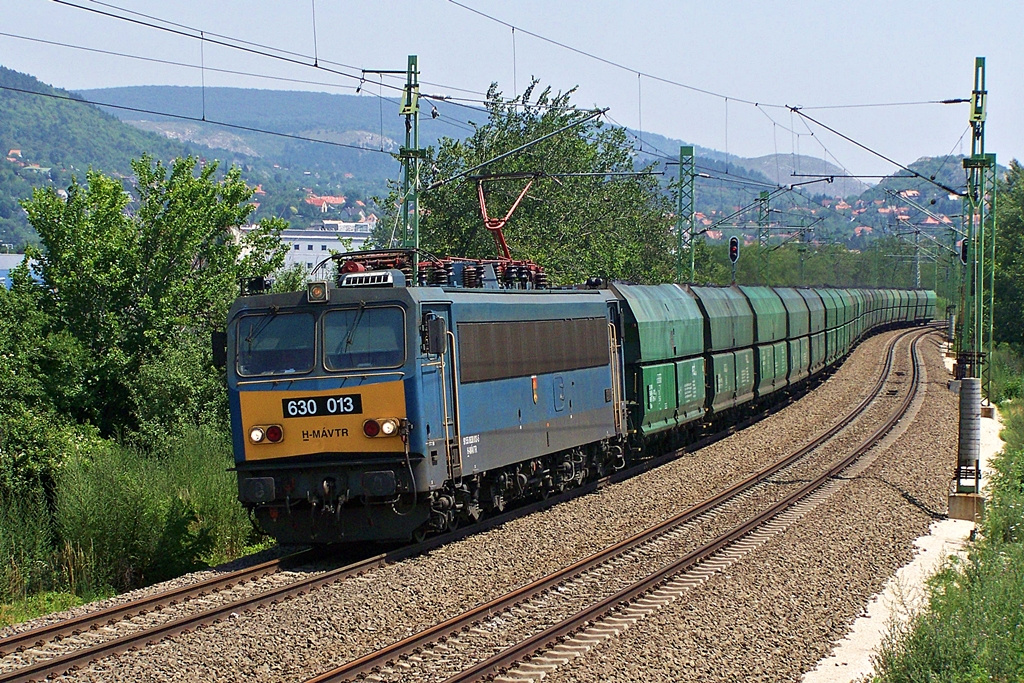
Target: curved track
<point>439,649</point>
<point>42,665</point>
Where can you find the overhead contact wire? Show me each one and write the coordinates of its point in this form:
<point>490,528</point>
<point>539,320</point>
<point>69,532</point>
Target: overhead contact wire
<point>184,117</point>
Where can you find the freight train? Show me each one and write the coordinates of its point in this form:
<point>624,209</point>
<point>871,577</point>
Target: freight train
<point>394,403</point>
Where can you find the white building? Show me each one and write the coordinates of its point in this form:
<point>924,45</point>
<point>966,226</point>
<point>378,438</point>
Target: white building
<point>308,247</point>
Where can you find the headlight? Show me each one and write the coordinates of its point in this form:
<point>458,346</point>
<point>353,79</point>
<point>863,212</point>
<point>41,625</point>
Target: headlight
<point>266,434</point>
<point>384,426</point>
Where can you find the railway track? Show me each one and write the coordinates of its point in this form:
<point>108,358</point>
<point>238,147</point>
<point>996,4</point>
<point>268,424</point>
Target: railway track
<point>569,611</point>
<point>31,646</point>
<point>91,621</point>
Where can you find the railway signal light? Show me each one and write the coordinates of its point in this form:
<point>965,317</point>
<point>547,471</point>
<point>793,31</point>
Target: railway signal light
<point>734,249</point>
<point>963,251</point>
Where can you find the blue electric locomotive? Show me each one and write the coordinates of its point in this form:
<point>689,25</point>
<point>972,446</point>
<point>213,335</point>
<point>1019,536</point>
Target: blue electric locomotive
<point>374,410</point>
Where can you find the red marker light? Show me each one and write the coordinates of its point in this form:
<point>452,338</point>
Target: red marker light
<point>274,434</point>
<point>371,428</point>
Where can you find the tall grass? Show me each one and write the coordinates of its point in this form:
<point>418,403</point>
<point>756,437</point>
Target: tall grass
<point>121,518</point>
<point>122,508</point>
<point>1007,368</point>
<point>26,542</point>
<point>197,468</point>
<point>973,629</point>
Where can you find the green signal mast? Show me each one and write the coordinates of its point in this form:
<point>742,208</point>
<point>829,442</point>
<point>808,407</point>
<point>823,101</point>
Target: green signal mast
<point>979,233</point>
<point>974,342</point>
<point>410,155</point>
<point>685,223</point>
<point>763,238</point>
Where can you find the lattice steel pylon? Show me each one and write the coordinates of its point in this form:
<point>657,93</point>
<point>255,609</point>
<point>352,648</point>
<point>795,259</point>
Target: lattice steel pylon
<point>763,248</point>
<point>974,346</point>
<point>685,212</point>
<point>979,224</point>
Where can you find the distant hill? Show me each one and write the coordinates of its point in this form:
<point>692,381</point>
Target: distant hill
<point>47,140</point>
<point>366,122</point>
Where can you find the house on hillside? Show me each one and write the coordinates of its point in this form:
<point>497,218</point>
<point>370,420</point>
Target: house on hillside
<point>325,202</point>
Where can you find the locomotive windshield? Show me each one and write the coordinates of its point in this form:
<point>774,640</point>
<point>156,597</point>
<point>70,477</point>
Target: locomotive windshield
<point>364,338</point>
<point>275,344</point>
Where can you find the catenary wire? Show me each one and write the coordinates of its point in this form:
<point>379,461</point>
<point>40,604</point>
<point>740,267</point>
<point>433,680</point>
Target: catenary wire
<point>878,154</point>
<point>195,119</point>
<point>241,45</point>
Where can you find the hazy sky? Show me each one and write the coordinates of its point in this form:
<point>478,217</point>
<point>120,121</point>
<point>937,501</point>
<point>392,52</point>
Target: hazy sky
<point>800,53</point>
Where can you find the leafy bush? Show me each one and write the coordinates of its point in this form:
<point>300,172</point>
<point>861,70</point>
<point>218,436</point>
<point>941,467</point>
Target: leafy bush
<point>178,386</point>
<point>121,509</point>
<point>34,445</point>
<point>26,543</point>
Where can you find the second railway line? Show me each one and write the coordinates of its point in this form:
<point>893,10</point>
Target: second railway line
<point>313,632</point>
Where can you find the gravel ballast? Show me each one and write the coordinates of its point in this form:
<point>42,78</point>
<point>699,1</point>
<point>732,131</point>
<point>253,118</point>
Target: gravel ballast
<point>853,543</point>
<point>774,615</point>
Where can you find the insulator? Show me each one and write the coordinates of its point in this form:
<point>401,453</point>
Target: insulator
<point>424,276</point>
<point>442,275</point>
<point>541,280</point>
<point>472,276</point>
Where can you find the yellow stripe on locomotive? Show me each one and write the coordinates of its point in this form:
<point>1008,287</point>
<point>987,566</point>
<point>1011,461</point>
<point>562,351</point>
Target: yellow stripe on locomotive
<point>362,419</point>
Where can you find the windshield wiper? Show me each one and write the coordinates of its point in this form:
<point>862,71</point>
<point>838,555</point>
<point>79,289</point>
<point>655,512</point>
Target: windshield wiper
<point>355,323</point>
<point>257,329</point>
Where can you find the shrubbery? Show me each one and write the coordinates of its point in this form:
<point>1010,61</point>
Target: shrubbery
<point>124,518</point>
<point>973,629</point>
<point>113,423</point>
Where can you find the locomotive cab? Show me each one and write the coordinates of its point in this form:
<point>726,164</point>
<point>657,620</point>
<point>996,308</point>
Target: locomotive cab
<point>317,384</point>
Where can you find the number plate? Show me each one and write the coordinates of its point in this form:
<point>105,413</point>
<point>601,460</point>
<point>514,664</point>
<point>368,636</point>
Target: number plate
<point>343,404</point>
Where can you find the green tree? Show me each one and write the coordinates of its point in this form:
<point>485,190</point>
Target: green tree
<point>43,373</point>
<point>129,274</point>
<point>1009,284</point>
<point>575,226</point>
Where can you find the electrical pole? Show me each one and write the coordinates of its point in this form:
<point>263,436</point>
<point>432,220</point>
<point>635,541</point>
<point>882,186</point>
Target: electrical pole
<point>917,258</point>
<point>973,368</point>
<point>763,250</point>
<point>411,155</point>
<point>685,212</point>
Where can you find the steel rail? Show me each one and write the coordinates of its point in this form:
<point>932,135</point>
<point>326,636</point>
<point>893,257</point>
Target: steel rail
<point>551,636</point>
<point>92,620</point>
<point>406,646</point>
